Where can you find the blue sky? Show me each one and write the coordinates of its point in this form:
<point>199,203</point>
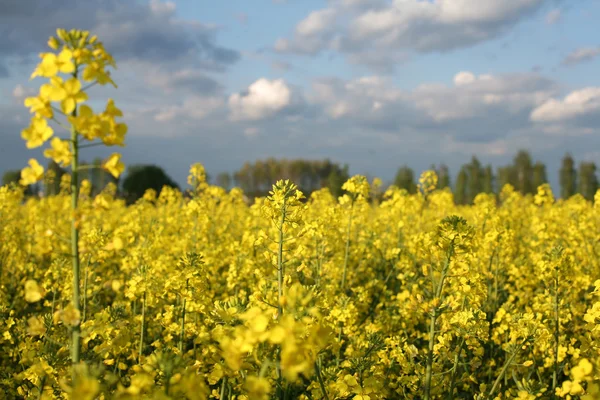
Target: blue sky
<point>372,83</point>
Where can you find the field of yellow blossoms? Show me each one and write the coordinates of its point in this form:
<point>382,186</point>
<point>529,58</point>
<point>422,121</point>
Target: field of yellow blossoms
<point>367,296</point>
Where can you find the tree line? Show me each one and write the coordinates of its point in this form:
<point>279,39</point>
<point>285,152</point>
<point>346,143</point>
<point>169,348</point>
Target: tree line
<point>256,178</point>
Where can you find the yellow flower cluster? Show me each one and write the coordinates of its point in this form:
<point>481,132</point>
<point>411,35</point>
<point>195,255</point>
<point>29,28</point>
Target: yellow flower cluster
<point>208,297</point>
<point>81,58</point>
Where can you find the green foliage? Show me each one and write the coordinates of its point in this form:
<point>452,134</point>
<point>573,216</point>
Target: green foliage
<point>405,179</point>
<point>140,178</point>
<point>568,177</point>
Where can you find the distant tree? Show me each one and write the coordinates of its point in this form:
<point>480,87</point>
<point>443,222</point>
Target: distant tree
<point>524,172</point>
<point>506,176</point>
<point>99,177</point>
<point>52,178</point>
<point>256,179</point>
<point>140,178</point>
<point>336,178</point>
<point>460,191</point>
<point>405,179</point>
<point>224,180</point>
<point>539,175</point>
<point>11,176</point>
<point>443,176</point>
<point>474,179</point>
<point>568,177</point>
<point>487,186</point>
<point>588,182</point>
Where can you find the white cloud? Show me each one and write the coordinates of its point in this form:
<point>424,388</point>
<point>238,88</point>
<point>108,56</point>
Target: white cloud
<point>368,31</point>
<point>193,107</point>
<point>316,22</point>
<point>579,103</point>
<point>581,55</point>
<point>464,78</point>
<point>264,98</point>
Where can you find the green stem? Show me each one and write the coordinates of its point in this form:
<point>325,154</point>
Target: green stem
<point>556,332</point>
<point>280,261</point>
<point>223,384</point>
<point>347,251</point>
<point>182,333</point>
<point>75,331</point>
<point>455,369</point>
<point>141,349</point>
<point>320,379</point>
<point>85,284</point>
<point>433,321</point>
<point>504,368</point>
<point>343,283</point>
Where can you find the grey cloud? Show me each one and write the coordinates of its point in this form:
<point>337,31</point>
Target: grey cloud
<point>130,30</point>
<point>581,55</point>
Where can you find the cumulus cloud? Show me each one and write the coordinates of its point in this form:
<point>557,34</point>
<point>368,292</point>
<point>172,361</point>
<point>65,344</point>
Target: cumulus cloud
<point>475,108</point>
<point>581,55</point>
<point>356,27</point>
<point>263,99</point>
<point>311,34</point>
<point>579,104</point>
<point>194,107</point>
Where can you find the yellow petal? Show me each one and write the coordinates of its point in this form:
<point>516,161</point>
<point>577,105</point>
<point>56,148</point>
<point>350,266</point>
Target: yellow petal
<point>68,105</point>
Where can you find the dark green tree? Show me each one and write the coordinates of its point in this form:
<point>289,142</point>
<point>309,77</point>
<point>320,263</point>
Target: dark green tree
<point>487,185</point>
<point>588,182</point>
<point>568,177</point>
<point>336,178</point>
<point>539,175</point>
<point>474,179</point>
<point>523,168</point>
<point>443,176</point>
<point>405,179</point>
<point>140,178</point>
<point>52,178</point>
<point>506,176</point>
<point>10,177</point>
<point>224,180</point>
<point>460,191</point>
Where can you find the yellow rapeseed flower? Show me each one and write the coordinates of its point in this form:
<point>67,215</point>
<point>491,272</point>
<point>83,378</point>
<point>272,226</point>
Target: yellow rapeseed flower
<point>31,174</point>
<point>114,165</point>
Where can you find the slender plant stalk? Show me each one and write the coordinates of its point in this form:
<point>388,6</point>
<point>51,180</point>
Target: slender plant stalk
<point>504,368</point>
<point>182,333</point>
<point>280,262</point>
<point>347,251</point>
<point>556,332</point>
<point>280,295</point>
<point>223,384</point>
<point>343,283</point>
<point>85,285</point>
<point>141,350</point>
<point>432,321</point>
<point>321,383</point>
<point>75,331</point>
<point>455,369</point>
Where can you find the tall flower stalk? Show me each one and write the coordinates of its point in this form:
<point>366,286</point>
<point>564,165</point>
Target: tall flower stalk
<point>80,57</point>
